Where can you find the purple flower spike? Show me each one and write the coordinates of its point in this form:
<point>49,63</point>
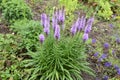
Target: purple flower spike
<point>47,30</point>
<point>88,27</point>
<point>61,16</point>
<point>78,24</point>
<point>57,32</point>
<point>83,22</point>
<point>118,40</point>
<point>43,19</point>
<point>105,78</point>
<point>54,22</point>
<point>96,54</point>
<point>107,64</point>
<point>106,45</point>
<point>41,38</point>
<point>73,29</point>
<point>93,41</point>
<point>85,37</point>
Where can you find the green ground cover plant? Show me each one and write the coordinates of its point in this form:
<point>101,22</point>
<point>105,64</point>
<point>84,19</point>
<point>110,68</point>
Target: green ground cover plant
<point>13,10</point>
<point>27,32</point>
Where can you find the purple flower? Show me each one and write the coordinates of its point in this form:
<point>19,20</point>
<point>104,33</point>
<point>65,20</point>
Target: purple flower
<point>116,67</point>
<point>78,25</point>
<point>88,27</point>
<point>102,57</point>
<point>41,38</point>
<point>107,64</point>
<point>96,54</point>
<point>43,19</point>
<point>105,78</point>
<point>118,40</point>
<point>58,18</point>
<point>93,41</point>
<point>118,71</point>
<point>106,45</point>
<point>85,37</point>
<point>57,32</point>
<point>73,29</point>
<point>54,22</point>
<point>83,22</point>
<point>111,25</point>
<point>61,16</point>
<point>46,30</point>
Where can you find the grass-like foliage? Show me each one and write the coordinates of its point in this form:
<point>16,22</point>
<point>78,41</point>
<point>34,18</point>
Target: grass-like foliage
<point>59,60</point>
<point>15,9</point>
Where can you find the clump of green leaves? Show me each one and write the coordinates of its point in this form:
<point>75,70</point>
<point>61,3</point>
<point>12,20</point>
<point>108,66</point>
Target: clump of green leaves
<point>105,9</point>
<point>58,60</point>
<point>7,44</point>
<point>12,72</point>
<point>70,5</point>
<point>15,9</point>
<point>27,32</point>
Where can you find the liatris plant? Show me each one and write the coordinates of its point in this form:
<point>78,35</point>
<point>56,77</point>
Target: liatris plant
<point>58,58</point>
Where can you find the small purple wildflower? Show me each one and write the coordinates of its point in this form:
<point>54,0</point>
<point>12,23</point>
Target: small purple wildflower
<point>57,32</point>
<point>41,38</point>
<point>118,40</point>
<point>118,71</point>
<point>96,54</point>
<point>102,57</point>
<point>106,45</point>
<point>85,37</point>
<point>111,25</point>
<point>116,67</point>
<point>113,53</point>
<point>93,41</point>
<point>107,64</point>
<point>105,78</point>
